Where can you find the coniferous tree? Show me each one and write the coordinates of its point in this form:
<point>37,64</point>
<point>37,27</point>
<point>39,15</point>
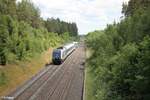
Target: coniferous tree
<point>8,7</point>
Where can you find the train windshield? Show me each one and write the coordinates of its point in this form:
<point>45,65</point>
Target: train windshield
<point>56,54</point>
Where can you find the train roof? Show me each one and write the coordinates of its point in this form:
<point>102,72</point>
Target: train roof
<point>68,45</point>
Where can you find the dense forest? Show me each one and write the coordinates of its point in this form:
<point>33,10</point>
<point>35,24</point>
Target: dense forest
<point>24,33</point>
<point>57,26</point>
<point>120,60</point>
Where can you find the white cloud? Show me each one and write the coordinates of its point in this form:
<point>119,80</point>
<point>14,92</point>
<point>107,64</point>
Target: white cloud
<point>88,14</point>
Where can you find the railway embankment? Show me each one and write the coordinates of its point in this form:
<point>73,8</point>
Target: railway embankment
<point>13,75</point>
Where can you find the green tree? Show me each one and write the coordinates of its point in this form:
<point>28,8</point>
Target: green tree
<point>27,12</point>
<point>133,5</point>
<point>8,39</point>
<point>8,7</point>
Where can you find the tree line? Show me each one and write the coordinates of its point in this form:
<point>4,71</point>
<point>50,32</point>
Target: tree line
<point>121,54</point>
<point>24,33</point>
<point>57,26</point>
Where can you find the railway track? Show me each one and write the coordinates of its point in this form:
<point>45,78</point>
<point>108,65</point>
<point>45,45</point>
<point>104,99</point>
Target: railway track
<point>56,86</point>
<point>53,83</point>
<point>65,82</point>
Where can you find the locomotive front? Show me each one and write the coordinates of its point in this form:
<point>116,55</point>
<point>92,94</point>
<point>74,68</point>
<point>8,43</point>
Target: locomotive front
<point>56,58</point>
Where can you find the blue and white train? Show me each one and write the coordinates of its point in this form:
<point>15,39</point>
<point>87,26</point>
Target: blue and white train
<point>61,53</point>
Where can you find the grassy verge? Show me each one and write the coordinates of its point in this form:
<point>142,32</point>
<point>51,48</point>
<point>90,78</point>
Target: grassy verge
<point>14,75</point>
<point>89,85</point>
<point>89,81</point>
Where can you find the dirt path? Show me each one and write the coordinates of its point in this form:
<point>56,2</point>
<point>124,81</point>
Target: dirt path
<point>63,82</point>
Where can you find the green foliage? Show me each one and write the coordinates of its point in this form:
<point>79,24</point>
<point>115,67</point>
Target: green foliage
<point>132,6</point>
<point>23,33</point>
<point>8,7</point>
<point>8,38</point>
<point>121,55</point>
<point>60,27</point>
<point>143,70</point>
<point>28,13</point>
<point>19,41</point>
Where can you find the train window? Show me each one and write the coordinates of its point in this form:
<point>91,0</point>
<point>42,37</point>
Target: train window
<point>60,47</point>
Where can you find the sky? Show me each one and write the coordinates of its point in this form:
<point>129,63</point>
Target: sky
<point>89,15</point>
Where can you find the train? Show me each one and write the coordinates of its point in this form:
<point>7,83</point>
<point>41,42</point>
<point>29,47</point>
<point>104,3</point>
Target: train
<point>61,53</point>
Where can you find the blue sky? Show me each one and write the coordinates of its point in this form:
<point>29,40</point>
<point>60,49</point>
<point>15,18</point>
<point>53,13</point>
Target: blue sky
<point>89,15</point>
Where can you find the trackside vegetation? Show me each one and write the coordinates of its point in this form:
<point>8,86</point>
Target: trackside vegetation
<point>26,40</point>
<point>120,60</point>
<point>23,33</point>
